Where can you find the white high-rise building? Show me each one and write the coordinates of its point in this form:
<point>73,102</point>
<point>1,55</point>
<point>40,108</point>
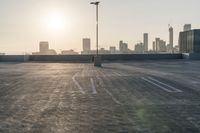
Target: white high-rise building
<point>86,44</point>
<point>171,40</point>
<point>44,47</point>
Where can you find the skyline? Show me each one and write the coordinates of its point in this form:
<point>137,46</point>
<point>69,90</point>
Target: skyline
<point>23,23</point>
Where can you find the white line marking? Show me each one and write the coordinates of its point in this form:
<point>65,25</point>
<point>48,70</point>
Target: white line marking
<point>114,99</point>
<point>173,88</point>
<point>51,98</point>
<point>165,89</point>
<point>93,86</point>
<point>109,93</point>
<point>195,82</point>
<point>118,74</point>
<point>77,84</point>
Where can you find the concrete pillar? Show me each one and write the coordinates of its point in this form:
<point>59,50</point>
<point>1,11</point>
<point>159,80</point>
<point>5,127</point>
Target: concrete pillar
<point>97,61</point>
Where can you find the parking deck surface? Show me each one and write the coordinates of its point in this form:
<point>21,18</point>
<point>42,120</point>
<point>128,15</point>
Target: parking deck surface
<point>126,97</point>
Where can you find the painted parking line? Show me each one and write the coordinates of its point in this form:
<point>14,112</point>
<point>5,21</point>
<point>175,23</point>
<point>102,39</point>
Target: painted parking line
<point>94,91</point>
<point>120,74</point>
<point>161,85</point>
<point>4,84</point>
<point>77,84</point>
<point>108,92</point>
<point>171,87</point>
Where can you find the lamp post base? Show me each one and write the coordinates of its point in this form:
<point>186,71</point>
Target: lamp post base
<point>97,61</point>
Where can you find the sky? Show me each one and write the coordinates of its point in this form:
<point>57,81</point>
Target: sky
<point>24,23</point>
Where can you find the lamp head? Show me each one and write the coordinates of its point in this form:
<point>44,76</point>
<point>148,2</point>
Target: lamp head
<point>95,3</point>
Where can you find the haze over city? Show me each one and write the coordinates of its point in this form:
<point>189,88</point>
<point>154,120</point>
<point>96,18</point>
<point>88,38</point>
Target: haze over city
<point>108,66</point>
<point>63,23</point>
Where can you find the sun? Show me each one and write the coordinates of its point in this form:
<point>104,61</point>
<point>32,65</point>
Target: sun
<point>57,22</point>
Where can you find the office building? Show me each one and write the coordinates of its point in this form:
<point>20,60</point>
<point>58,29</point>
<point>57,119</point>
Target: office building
<point>44,47</point>
<point>139,49</point>
<point>123,47</point>
<point>189,41</point>
<point>176,49</point>
<point>159,45</point>
<point>187,27</point>
<point>69,52</point>
<point>86,44</point>
<point>162,46</point>
<point>171,40</point>
<point>112,50</point>
<point>154,46</point>
<point>145,42</point>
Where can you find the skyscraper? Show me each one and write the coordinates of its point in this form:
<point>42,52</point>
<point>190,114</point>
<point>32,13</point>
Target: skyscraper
<point>171,40</point>
<point>86,44</point>
<point>157,43</point>
<point>189,41</point>
<point>187,27</point>
<point>154,46</point>
<point>171,36</point>
<point>145,42</point>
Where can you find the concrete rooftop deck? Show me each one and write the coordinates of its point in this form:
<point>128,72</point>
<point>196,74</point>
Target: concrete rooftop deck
<point>127,97</point>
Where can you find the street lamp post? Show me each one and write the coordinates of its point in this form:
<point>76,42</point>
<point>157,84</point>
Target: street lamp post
<point>97,59</point>
<point>97,25</point>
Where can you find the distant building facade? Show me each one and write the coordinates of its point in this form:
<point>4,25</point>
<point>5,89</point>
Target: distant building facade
<point>187,27</point>
<point>154,46</point>
<point>171,40</point>
<point>44,49</point>
<point>139,49</point>
<point>159,45</point>
<point>189,41</point>
<point>69,52</point>
<point>123,47</point>
<point>145,42</point>
<point>93,52</point>
<point>86,44</point>
<point>112,50</point>
<point>176,49</point>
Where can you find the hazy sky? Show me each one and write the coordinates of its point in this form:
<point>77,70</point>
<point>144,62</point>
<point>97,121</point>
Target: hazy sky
<point>23,23</point>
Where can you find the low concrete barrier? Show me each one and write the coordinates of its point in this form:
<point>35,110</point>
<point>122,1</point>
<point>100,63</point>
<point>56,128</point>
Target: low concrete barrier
<point>191,56</point>
<point>186,56</point>
<point>14,58</point>
<point>61,58</point>
<point>141,57</point>
<point>86,58</point>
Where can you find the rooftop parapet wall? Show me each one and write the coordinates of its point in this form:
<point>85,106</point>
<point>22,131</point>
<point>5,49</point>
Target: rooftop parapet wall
<point>86,58</point>
<point>141,57</point>
<point>14,58</point>
<point>191,56</point>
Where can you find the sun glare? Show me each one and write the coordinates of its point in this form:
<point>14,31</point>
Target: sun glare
<point>57,22</point>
